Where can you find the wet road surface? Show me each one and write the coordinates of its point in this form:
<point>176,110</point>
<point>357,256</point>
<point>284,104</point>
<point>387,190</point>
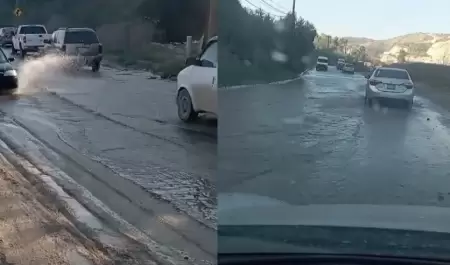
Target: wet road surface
<point>121,128</point>
<point>314,141</point>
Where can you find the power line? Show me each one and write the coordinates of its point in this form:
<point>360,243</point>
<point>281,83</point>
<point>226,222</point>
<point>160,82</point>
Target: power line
<point>250,3</point>
<point>276,4</point>
<point>258,7</point>
<point>274,8</point>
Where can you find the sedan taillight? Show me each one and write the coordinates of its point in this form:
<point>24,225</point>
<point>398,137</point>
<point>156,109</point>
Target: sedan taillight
<point>374,82</point>
<point>409,86</point>
<point>100,49</point>
<point>25,39</point>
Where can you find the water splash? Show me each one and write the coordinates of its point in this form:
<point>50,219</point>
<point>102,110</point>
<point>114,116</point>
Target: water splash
<point>34,71</point>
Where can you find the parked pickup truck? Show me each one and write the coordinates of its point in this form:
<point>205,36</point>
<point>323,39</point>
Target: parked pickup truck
<point>29,38</point>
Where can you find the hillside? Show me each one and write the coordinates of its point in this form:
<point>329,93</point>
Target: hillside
<point>420,47</point>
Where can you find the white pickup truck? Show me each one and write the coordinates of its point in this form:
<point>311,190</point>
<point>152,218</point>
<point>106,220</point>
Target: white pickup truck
<point>29,38</point>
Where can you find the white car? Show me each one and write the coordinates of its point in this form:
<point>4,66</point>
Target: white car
<point>197,84</point>
<point>390,83</point>
<point>348,68</point>
<point>340,63</point>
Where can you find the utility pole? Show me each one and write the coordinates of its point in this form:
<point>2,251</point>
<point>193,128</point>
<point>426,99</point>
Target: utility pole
<point>212,21</point>
<point>294,18</point>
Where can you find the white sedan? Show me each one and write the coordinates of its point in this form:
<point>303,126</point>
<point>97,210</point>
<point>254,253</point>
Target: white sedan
<point>197,84</point>
<point>390,83</point>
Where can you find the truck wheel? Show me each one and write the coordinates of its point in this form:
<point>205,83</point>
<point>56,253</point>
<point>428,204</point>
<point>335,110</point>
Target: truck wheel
<point>22,52</point>
<point>186,111</point>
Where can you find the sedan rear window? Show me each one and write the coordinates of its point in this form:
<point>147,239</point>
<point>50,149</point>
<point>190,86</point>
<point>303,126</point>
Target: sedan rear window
<point>86,37</point>
<point>32,30</point>
<point>396,74</point>
<point>349,65</point>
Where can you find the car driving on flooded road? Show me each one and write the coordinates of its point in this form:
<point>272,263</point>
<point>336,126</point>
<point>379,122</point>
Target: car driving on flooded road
<point>322,63</point>
<point>390,83</point>
<point>8,75</point>
<point>80,46</point>
<point>348,68</point>
<point>197,84</point>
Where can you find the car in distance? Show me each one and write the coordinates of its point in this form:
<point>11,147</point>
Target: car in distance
<point>322,63</point>
<point>197,84</point>
<point>8,75</point>
<point>6,35</point>
<point>340,63</point>
<point>29,39</point>
<point>348,68</point>
<point>390,83</point>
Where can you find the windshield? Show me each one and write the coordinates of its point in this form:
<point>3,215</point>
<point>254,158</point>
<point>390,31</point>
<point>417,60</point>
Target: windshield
<point>396,74</point>
<point>303,143</point>
<point>32,30</point>
<point>86,37</point>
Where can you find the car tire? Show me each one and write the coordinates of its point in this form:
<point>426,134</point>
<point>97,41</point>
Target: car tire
<point>368,101</point>
<point>95,67</point>
<point>13,50</point>
<point>186,110</point>
<point>409,104</point>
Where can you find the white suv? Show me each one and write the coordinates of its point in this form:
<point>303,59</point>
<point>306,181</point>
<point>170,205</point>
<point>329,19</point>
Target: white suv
<point>322,63</point>
<point>197,84</point>
<point>80,46</point>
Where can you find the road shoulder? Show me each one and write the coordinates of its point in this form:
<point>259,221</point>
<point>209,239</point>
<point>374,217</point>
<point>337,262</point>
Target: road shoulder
<point>34,230</point>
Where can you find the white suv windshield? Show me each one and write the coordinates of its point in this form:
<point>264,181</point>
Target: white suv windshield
<point>85,36</point>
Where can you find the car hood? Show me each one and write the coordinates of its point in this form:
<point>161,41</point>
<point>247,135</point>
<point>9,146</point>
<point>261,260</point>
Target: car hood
<point>248,209</point>
<point>5,67</point>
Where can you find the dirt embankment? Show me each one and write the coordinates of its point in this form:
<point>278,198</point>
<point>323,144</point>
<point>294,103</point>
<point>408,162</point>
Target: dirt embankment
<point>131,44</point>
<point>34,230</point>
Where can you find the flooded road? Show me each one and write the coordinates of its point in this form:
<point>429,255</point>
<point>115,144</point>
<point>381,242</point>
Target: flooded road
<point>117,134</point>
<point>314,141</point>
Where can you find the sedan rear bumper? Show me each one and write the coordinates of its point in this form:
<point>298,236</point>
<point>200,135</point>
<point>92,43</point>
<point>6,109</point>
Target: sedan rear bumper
<point>372,92</point>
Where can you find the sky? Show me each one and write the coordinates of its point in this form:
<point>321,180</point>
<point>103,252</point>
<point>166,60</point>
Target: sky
<point>381,19</point>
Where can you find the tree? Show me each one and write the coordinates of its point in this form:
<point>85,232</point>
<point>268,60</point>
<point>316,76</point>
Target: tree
<point>177,18</point>
<point>359,54</point>
<point>336,43</point>
<point>401,57</point>
<point>343,45</point>
<point>255,46</point>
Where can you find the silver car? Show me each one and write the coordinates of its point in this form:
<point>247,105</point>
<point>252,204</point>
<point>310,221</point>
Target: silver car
<point>348,68</point>
<point>390,83</point>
